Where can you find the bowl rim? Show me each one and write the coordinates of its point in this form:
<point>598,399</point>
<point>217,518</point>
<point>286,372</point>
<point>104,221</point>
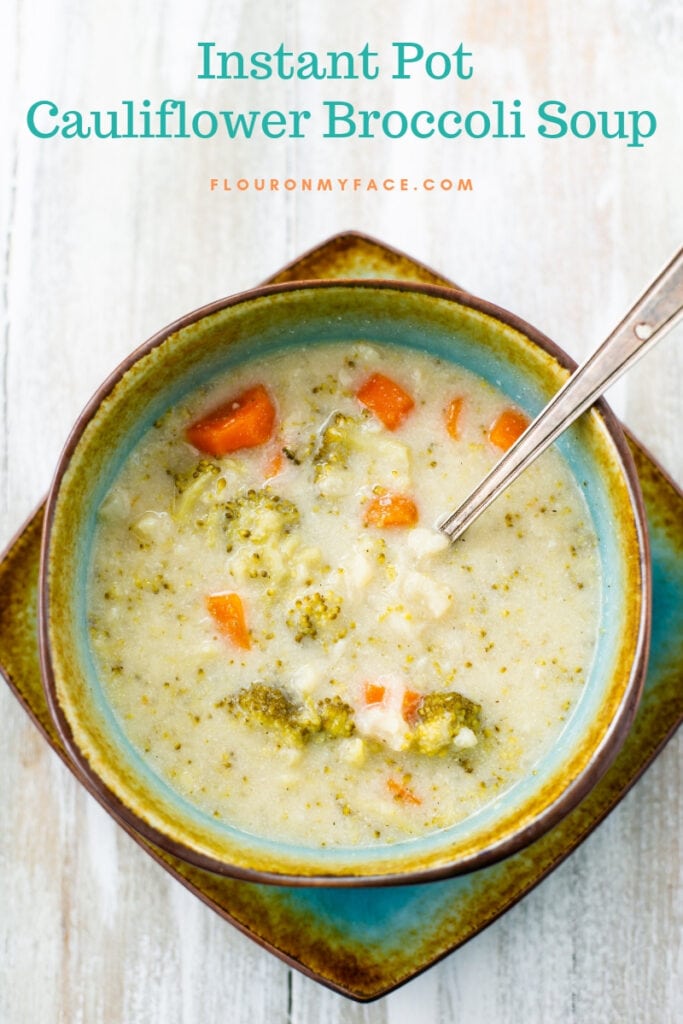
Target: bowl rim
<point>601,757</point>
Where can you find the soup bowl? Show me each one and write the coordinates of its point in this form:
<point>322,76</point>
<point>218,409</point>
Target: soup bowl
<point>225,335</point>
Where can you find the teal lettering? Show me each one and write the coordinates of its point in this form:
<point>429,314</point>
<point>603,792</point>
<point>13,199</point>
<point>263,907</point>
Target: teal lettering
<point>99,131</point>
<point>308,66</point>
<point>403,57</point>
<point>485,124</point>
<point>402,124</point>
<point>297,117</point>
<point>206,60</point>
<point>544,114</point>
<point>575,124</point>
<point>457,120</point>
<point>335,60</point>
<point>441,58</point>
<point>583,124</point>
<point>73,126</point>
<point>52,111</point>
<point>273,124</point>
<point>428,117</point>
<point>260,64</point>
<point>636,133</point>
<point>370,70</point>
<point>239,125</point>
<point>281,54</point>
<point>205,115</point>
<point>437,64</point>
<point>339,111</point>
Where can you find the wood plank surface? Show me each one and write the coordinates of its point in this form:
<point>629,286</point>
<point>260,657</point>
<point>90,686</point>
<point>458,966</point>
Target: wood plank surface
<point>103,242</point>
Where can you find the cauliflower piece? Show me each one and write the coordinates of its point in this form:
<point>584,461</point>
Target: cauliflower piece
<point>385,725</point>
<point>365,353</point>
<point>279,562</point>
<point>307,679</point>
<point>390,463</point>
<point>263,542</point>
<point>289,756</point>
<point>359,570</point>
<point>425,594</point>
<point>152,527</point>
<point>352,751</point>
<point>425,543</point>
<point>401,622</point>
<point>116,505</point>
<point>303,561</point>
<point>347,443</point>
<point>465,738</point>
<point>383,720</point>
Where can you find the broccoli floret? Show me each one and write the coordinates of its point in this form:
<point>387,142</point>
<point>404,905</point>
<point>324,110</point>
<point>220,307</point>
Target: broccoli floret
<point>441,717</point>
<point>258,516</point>
<point>336,717</point>
<point>271,707</point>
<point>266,703</point>
<point>194,485</point>
<point>312,615</point>
<point>342,437</point>
<point>201,470</point>
<point>462,710</point>
<point>335,445</point>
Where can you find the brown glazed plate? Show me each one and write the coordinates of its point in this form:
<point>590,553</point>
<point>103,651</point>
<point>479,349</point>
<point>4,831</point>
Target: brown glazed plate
<point>365,942</point>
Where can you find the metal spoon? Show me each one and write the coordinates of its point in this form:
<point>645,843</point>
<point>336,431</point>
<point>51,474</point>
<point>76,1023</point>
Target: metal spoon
<point>657,311</point>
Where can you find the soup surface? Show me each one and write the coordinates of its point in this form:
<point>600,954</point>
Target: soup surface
<point>285,636</point>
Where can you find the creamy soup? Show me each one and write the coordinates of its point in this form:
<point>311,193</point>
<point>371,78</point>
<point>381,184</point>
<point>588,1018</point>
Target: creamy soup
<point>285,636</point>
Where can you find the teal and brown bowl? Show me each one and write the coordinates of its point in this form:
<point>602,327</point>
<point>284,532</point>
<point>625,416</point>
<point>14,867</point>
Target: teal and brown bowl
<point>456,327</point>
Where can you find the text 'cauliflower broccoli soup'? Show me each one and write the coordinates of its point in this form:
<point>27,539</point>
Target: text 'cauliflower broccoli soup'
<point>285,636</point>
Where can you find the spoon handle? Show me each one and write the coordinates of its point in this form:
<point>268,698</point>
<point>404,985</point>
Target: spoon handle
<point>655,313</point>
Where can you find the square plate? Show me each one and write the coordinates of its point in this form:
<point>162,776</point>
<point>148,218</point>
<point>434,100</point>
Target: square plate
<point>365,942</point>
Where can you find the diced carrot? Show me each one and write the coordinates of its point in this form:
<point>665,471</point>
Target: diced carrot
<point>452,417</point>
<point>387,399</point>
<point>228,611</point>
<point>402,792</point>
<point>390,510</point>
<point>374,693</point>
<point>244,422</point>
<point>505,430</point>
<point>411,705</point>
<point>273,465</point>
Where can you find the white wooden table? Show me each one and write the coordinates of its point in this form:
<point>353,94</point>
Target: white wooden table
<point>105,241</point>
